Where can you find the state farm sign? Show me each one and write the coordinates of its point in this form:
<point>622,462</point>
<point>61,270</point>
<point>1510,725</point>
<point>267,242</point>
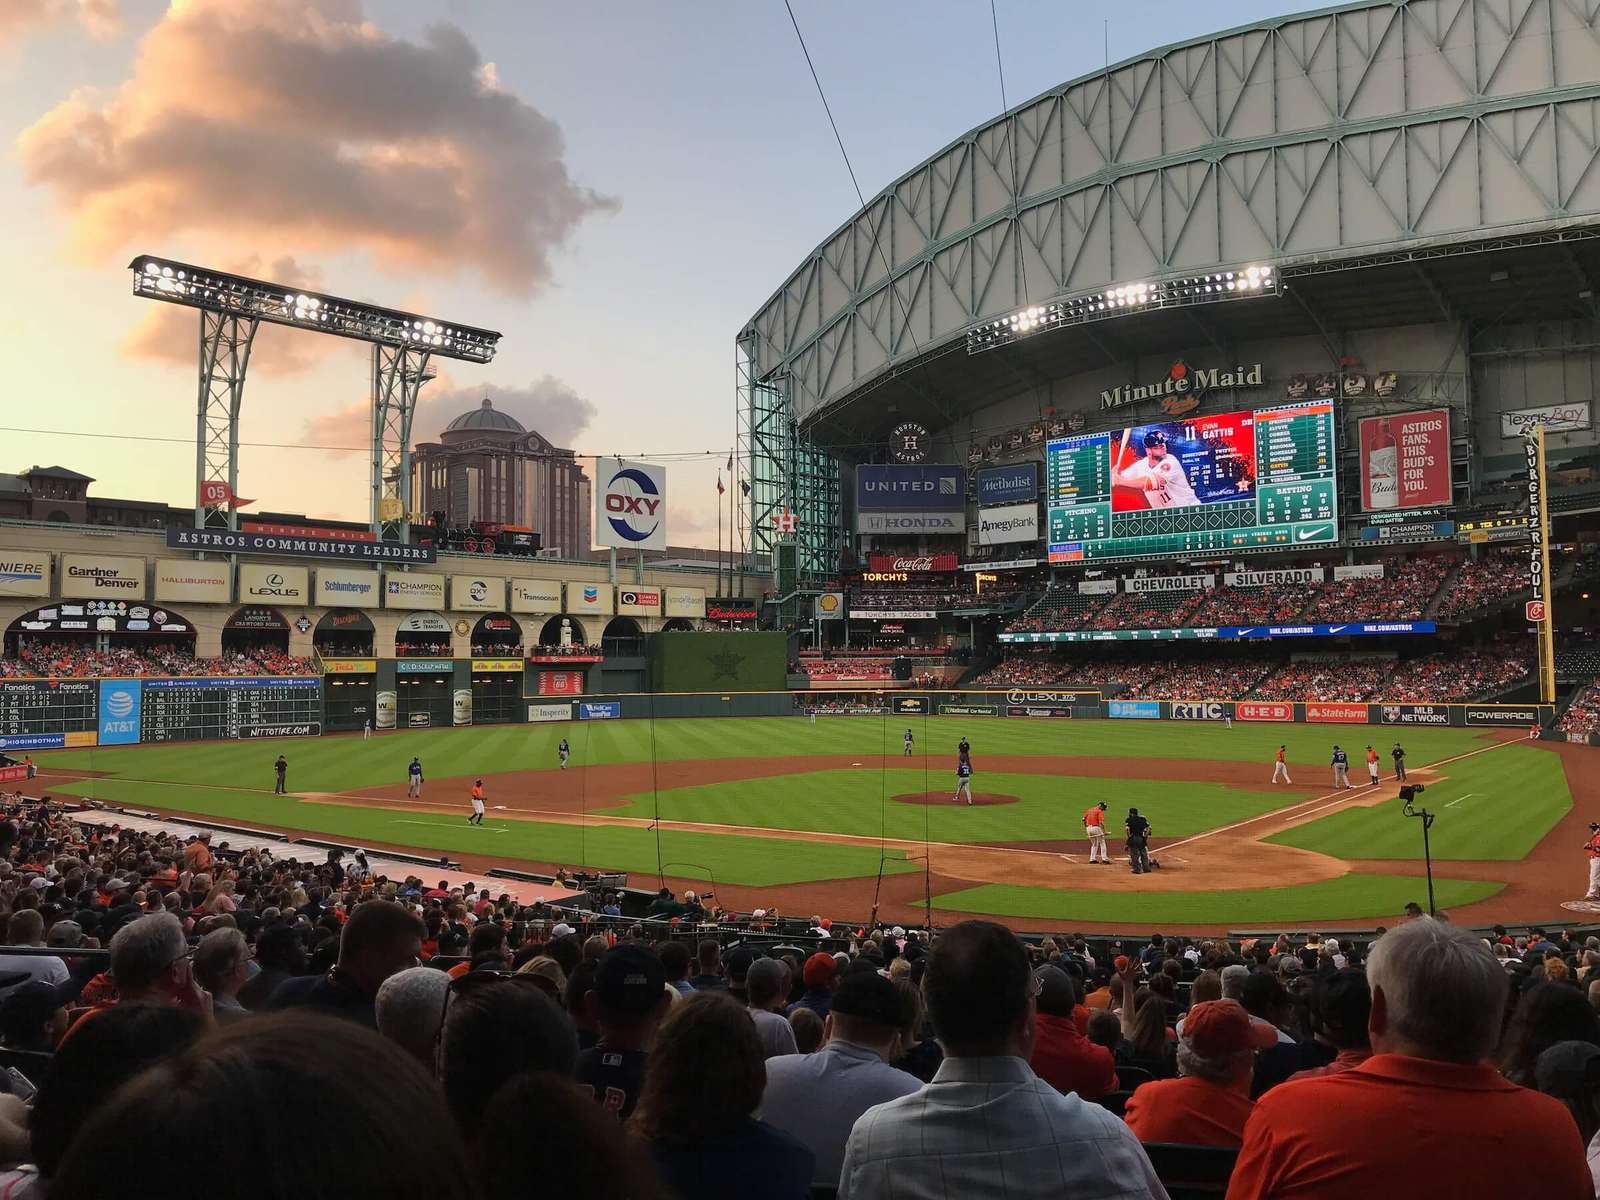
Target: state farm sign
<point>1337,713</point>
<point>922,564</point>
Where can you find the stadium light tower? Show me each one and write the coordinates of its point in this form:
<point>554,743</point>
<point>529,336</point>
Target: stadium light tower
<point>232,307</point>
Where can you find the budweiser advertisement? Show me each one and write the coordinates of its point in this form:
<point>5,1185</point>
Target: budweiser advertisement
<point>1405,460</point>
<point>1336,713</point>
<point>916,564</point>
<point>1258,710</point>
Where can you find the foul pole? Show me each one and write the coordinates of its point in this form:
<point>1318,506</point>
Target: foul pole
<point>1541,608</point>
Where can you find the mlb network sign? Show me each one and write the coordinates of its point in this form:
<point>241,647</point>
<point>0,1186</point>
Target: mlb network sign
<point>630,504</point>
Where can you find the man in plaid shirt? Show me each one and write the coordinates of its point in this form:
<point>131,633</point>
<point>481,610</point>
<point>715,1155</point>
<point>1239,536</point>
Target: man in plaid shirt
<point>986,1124</point>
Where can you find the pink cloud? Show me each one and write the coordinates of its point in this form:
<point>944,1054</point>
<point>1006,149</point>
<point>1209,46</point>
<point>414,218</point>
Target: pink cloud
<point>101,18</point>
<point>297,123</point>
<point>546,406</point>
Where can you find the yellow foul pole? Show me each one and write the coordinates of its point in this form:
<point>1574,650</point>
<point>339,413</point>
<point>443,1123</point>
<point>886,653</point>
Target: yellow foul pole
<point>1541,608</point>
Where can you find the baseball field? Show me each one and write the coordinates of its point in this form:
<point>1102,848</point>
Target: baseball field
<point>830,815</point>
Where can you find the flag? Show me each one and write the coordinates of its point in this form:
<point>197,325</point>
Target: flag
<point>720,488</point>
<point>744,487</point>
<point>730,462</point>
<point>214,493</point>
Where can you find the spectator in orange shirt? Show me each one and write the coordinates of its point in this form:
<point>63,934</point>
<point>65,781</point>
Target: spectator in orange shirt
<point>1062,1056</point>
<point>1210,1101</point>
<point>197,855</point>
<point>1397,1124</point>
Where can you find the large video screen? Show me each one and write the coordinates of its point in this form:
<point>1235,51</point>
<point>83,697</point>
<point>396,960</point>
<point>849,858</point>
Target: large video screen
<point>1227,481</point>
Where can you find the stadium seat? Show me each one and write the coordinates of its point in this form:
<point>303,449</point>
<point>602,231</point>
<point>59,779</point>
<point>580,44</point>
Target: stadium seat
<point>1115,1102</point>
<point>1130,1078</point>
<point>1192,1172</point>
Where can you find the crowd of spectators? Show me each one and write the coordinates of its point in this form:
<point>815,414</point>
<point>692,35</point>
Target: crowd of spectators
<point>497,650</point>
<point>1486,583</point>
<point>1206,679</point>
<point>853,667</point>
<point>68,659</point>
<point>602,1058</point>
<point>1326,677</point>
<point>1278,604</point>
<point>1463,672</point>
<point>574,650</point>
<point>1403,593</point>
<point>1582,718</point>
<point>423,647</point>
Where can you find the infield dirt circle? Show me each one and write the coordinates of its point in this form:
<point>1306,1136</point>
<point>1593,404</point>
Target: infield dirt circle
<point>979,799</point>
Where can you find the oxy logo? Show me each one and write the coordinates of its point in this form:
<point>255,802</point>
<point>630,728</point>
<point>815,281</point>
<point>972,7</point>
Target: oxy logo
<point>633,505</point>
<point>478,590</point>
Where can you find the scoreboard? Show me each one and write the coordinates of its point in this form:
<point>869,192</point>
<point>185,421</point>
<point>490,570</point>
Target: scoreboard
<point>1221,482</point>
<point>44,714</point>
<point>178,710</point>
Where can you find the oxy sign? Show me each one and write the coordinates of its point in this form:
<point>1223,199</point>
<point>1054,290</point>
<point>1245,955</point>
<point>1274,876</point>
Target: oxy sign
<point>630,504</point>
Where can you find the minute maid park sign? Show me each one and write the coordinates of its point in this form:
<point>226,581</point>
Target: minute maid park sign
<point>1182,381</point>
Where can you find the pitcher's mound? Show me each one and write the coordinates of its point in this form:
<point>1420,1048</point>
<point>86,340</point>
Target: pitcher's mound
<point>983,798</point>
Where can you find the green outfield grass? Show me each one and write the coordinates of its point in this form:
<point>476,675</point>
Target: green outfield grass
<point>860,802</point>
<point>1348,898</point>
<point>1491,806</point>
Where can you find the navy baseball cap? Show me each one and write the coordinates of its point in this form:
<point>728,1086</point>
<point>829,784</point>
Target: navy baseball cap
<point>1154,438</point>
<point>629,981</point>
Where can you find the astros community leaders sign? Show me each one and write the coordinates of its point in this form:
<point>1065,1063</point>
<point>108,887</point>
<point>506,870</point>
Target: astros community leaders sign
<point>231,541</point>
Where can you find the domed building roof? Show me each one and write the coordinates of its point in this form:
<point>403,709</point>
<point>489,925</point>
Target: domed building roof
<point>486,419</point>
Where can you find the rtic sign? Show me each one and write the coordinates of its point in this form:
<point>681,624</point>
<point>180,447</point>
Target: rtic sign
<point>1337,713</point>
<point>1256,710</point>
<point>1414,714</point>
<point>1200,710</point>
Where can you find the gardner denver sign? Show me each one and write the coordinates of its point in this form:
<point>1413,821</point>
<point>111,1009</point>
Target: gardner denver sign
<point>1182,382</point>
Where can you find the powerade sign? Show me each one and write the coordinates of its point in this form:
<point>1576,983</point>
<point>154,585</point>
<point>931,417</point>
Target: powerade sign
<point>121,708</point>
<point>1134,710</point>
<point>1008,485</point>
<point>909,489</point>
<point>1520,716</point>
<point>604,710</point>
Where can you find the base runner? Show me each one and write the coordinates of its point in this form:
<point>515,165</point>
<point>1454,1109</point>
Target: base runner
<point>1592,848</point>
<point>414,772</point>
<point>1094,825</point>
<point>1280,768</point>
<point>1341,768</point>
<point>964,780</point>
<point>1372,766</point>
<point>477,804</point>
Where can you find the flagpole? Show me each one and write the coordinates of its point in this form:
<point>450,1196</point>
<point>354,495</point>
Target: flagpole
<point>719,529</point>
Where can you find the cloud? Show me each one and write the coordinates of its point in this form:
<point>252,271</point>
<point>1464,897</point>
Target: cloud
<point>100,18</point>
<point>297,123</point>
<point>546,406</point>
<point>167,333</point>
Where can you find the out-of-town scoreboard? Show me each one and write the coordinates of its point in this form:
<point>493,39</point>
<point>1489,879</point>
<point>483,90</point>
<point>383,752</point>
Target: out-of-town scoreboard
<point>177,710</point>
<point>44,714</point>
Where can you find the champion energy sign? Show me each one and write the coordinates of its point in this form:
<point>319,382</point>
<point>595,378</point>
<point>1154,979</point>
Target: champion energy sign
<point>630,504</point>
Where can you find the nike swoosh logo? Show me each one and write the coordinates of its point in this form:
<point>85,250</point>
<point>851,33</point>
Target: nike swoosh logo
<point>1335,628</point>
<point>1302,535</point>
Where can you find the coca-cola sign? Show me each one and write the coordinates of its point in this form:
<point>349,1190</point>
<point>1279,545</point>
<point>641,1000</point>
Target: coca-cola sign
<point>924,564</point>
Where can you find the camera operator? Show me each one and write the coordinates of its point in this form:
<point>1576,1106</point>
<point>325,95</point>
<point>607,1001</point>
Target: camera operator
<point>1592,847</point>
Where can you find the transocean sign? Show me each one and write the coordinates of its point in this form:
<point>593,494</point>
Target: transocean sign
<point>1181,387</point>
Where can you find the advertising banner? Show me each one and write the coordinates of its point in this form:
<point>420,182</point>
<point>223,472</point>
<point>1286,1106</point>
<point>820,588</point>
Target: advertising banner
<point>1225,633</point>
<point>120,711</point>
<point>300,729</point>
<point>424,666</point>
<point>912,564</point>
<point>608,710</point>
<point>560,683</point>
<point>535,596</point>
<point>1263,710</point>
<point>901,488</point>
<point>494,665</point>
<point>349,666</point>
<point>310,531</point>
<point>423,622</point>
<point>413,591</point>
<point>686,602</point>
<point>1002,564</point>
<point>1038,710</point>
<point>897,614</point>
<point>256,616</point>
<point>639,602</point>
<point>1200,710</point>
<point>1414,714</point>
<point>477,593</point>
<point>549,712</point>
<point>1260,579</point>
<point>1336,713</point>
<point>1097,587</point>
<point>339,587</point>
<point>32,741</point>
<point>1405,460</point>
<point>102,577</point>
<point>737,608</point>
<point>13,774</point>
<point>1008,485</point>
<point>883,523</point>
<point>24,573</point>
<point>1504,715</point>
<point>1141,584</point>
<point>182,579</point>
<point>969,710</point>
<point>630,505</point>
<point>589,597</point>
<point>1051,696</point>
<point>229,541</point>
<point>1555,418</point>
<point>1358,571</point>
<point>264,584</point>
<point>830,606</point>
<point>910,704</point>
<point>1012,523</point>
<point>1134,710</point>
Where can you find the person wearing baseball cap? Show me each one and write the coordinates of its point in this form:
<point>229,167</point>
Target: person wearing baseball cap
<point>1209,1103</point>
<point>820,974</point>
<point>628,1002</point>
<point>851,1072</point>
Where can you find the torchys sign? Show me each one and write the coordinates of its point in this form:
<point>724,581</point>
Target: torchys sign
<point>1180,389</point>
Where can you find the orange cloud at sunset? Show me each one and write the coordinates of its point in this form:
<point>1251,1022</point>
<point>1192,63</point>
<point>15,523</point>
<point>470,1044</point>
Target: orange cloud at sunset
<point>100,18</point>
<point>298,124</point>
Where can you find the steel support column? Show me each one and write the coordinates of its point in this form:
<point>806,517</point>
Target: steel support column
<point>398,373</point>
<point>225,343</point>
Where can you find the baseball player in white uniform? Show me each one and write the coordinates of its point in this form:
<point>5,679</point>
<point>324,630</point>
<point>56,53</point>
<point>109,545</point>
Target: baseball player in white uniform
<point>1159,475</point>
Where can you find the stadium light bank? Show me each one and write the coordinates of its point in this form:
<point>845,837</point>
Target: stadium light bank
<point>1241,283</point>
<point>237,295</point>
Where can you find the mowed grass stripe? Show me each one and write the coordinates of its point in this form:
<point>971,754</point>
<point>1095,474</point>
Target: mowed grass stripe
<point>1509,801</point>
<point>1349,898</point>
<point>733,859</point>
<point>861,803</point>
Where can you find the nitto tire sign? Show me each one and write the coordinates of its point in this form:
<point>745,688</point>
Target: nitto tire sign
<point>1195,710</point>
<point>1414,714</point>
<point>1502,715</point>
<point>1255,710</point>
<point>1036,710</point>
<point>304,729</point>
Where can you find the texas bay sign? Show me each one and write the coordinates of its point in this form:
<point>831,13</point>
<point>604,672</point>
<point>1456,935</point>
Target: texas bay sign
<point>1180,389</point>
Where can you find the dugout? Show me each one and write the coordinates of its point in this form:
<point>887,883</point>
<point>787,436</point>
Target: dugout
<point>425,694</point>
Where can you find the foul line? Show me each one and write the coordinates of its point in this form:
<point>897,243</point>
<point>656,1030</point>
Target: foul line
<point>1340,792</point>
<point>1459,799</point>
<point>448,825</point>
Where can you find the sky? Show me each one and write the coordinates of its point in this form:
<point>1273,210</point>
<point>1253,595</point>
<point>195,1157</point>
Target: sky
<point>614,187</point>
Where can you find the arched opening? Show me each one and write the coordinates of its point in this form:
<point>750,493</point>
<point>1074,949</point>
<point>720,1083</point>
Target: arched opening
<point>562,631</point>
<point>106,638</point>
<point>678,625</point>
<point>58,515</point>
<point>256,639</point>
<point>343,633</point>
<point>621,638</point>
<point>497,635</point>
<point>422,635</point>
